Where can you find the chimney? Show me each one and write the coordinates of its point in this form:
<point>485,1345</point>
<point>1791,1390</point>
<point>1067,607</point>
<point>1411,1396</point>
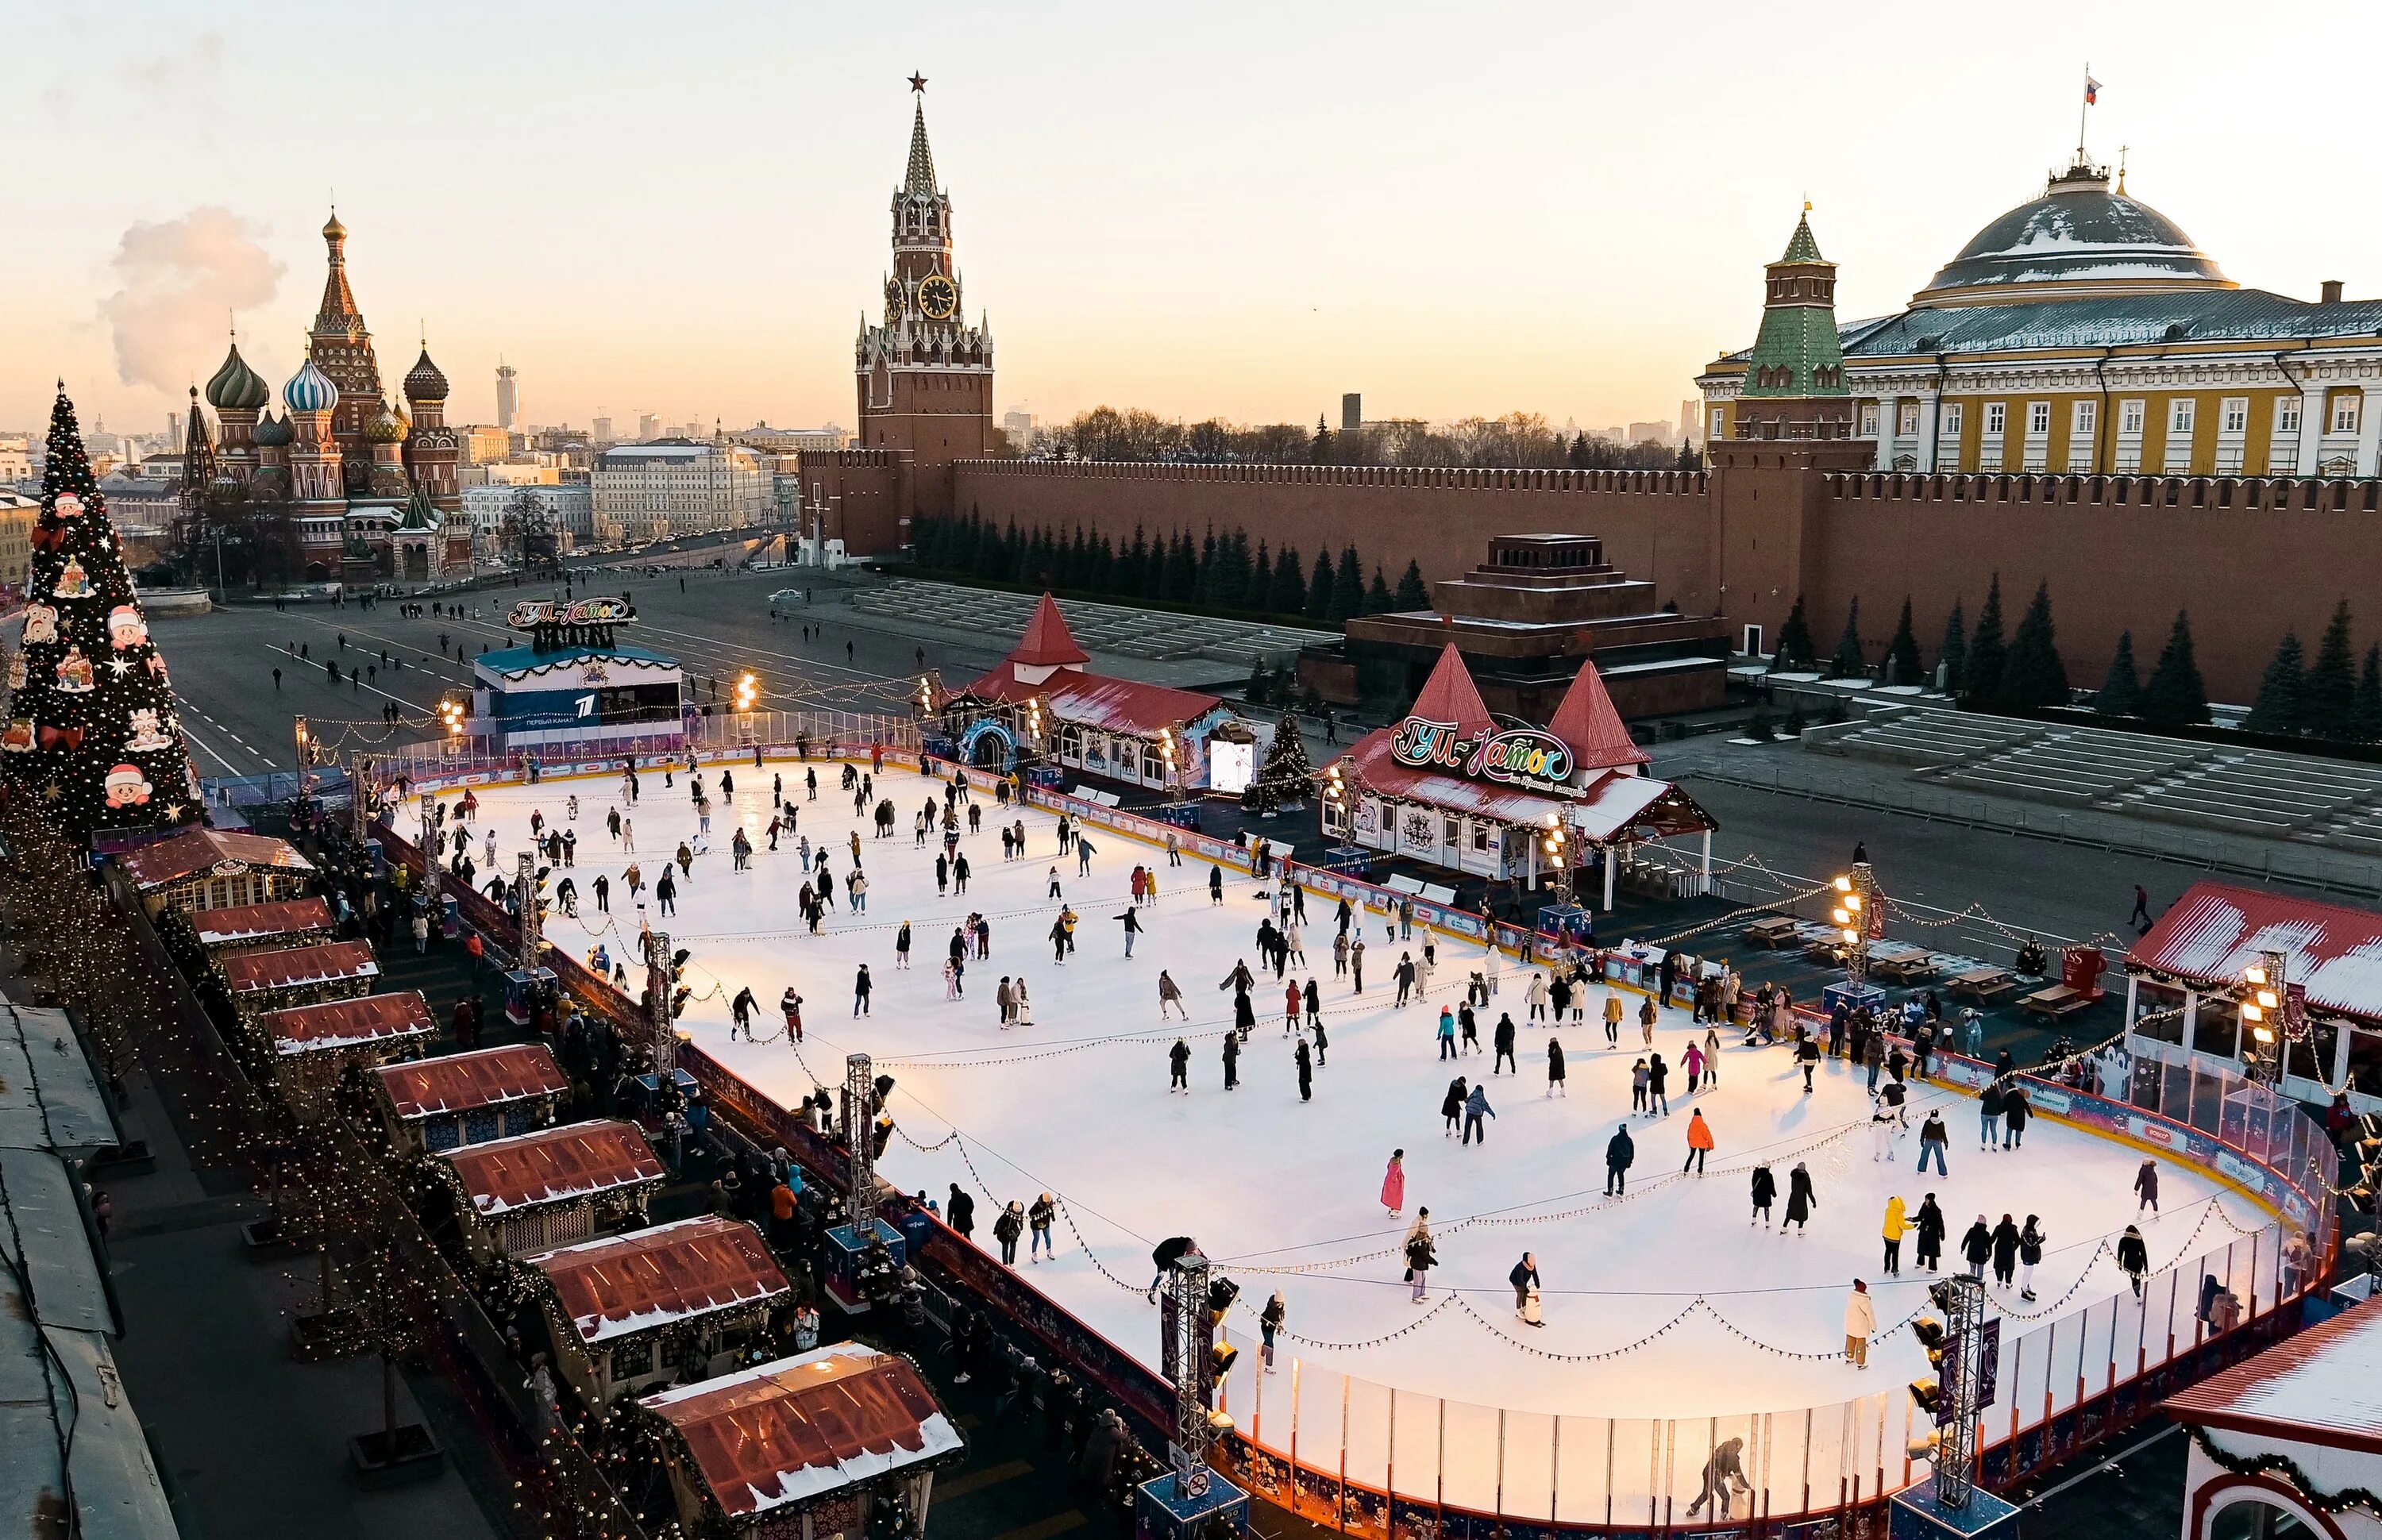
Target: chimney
<point>2331,292</point>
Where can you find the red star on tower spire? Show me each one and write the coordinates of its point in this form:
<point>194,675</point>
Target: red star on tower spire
<point>918,84</point>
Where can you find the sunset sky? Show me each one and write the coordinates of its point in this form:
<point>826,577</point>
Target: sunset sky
<point>1237,210</point>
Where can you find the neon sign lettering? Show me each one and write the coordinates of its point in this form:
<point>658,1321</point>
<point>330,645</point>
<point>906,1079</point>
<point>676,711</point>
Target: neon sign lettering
<point>1516,756</point>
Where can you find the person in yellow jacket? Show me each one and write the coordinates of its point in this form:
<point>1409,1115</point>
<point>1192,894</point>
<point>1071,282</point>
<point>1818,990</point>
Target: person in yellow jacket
<point>1612,1019</point>
<point>1895,1225</point>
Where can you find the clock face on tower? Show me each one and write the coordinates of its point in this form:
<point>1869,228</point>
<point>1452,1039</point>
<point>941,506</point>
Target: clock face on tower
<point>939,297</point>
<point>892,300</point>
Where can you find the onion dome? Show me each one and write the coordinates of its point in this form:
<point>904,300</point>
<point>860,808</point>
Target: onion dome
<point>333,229</point>
<point>2079,240</point>
<point>423,382</point>
<point>385,426</point>
<point>271,433</point>
<point>236,386</point>
<point>310,390</point>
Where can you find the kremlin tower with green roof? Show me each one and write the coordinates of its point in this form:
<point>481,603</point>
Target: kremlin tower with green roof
<point>1795,377</point>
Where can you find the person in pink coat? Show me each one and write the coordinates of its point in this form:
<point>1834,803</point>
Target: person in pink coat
<point>1695,1065</point>
<point>1394,1182</point>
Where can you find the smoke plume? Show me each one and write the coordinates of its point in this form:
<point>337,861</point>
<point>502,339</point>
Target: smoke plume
<point>181,280</point>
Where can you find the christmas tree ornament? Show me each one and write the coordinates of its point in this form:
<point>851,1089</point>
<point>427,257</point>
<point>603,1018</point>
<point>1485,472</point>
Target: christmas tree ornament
<point>147,736</point>
<point>126,787</point>
<point>40,624</point>
<point>74,673</point>
<point>18,739</point>
<point>126,630</point>
<point>17,670</point>
<point>68,506</point>
<point>74,580</point>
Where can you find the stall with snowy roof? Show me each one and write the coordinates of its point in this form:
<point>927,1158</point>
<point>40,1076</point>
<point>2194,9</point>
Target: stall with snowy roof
<point>680,1303</point>
<point>252,927</point>
<point>537,1190</point>
<point>2191,997</point>
<point>1038,703</point>
<point>429,1105</point>
<point>315,1045</point>
<point>808,1448</point>
<point>201,869</point>
<point>1455,788</point>
<point>275,978</point>
<point>2289,1442</point>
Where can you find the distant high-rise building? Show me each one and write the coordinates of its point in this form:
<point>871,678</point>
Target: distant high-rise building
<point>1690,419</point>
<point>649,426</point>
<point>508,396</point>
<point>1018,427</point>
<point>603,432</point>
<point>1352,411</point>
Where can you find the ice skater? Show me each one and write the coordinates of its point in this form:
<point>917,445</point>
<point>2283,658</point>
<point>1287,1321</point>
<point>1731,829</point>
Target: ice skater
<point>1860,1320</point>
<point>1699,1142</point>
<point>1801,1199</point>
<point>1170,997</point>
<point>1446,1033</point>
<point>1304,1059</point>
<point>1765,1191</point>
<point>1504,1041</point>
<point>1657,1073</point>
<point>2133,1258</point>
<point>1885,1122</point>
<point>1476,1106</point>
<point>1555,1069</point>
<point>1232,1061</point>
<point>1896,1224</point>
<point>1930,1228</point>
<point>2005,1240</point>
<point>1451,1106</point>
<point>1933,1137</point>
<point>2146,1185</point>
<point>1421,1255</point>
<point>1178,1061</point>
<point>1525,1279</point>
<point>2030,1257</point>
<point>1724,1479</point>
<point>1393,1183</point>
<point>1977,1248</point>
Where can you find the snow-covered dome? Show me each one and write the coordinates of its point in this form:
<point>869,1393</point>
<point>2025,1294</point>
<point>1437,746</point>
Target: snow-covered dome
<point>310,390</point>
<point>2078,239</point>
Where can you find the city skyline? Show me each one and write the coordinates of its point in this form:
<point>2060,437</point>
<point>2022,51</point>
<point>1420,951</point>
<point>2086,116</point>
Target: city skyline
<point>1246,235</point>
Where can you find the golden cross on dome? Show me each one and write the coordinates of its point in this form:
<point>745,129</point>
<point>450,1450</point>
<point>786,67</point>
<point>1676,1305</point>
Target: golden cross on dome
<point>918,83</point>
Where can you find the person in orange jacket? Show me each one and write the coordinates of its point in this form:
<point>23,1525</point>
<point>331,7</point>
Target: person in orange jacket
<point>1699,1142</point>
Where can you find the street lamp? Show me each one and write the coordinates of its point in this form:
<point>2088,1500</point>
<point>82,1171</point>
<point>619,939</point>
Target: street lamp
<point>1558,859</point>
<point>2262,996</point>
<point>1854,914</point>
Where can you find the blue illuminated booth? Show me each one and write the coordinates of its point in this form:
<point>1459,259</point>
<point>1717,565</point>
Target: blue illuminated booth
<point>575,686</point>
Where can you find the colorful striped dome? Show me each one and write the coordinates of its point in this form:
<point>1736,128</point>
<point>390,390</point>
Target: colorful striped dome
<point>236,386</point>
<point>310,390</point>
<point>424,381</point>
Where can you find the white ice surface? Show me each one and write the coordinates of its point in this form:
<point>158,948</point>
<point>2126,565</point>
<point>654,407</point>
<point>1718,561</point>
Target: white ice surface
<point>1077,1104</point>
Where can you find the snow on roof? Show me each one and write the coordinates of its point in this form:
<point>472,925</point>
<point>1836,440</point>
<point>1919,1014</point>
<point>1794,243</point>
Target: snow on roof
<point>554,1165</point>
<point>465,1083</point>
<point>653,1277</point>
<point>806,1426</point>
<point>224,927</point>
<point>2216,929</point>
<point>1612,806</point>
<point>346,1023</point>
<point>1048,643</point>
<point>1098,701</point>
<point>1587,720</point>
<point>2322,1386</point>
<point>189,854</point>
<point>295,966</point>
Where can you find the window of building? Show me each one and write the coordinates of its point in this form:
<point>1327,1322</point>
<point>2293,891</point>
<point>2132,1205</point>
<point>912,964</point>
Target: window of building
<point>2217,1027</point>
<point>2158,1012</point>
<point>2180,414</point>
<point>1719,422</point>
<point>1869,420</point>
<point>2287,414</point>
<point>2233,414</point>
<point>1996,415</point>
<point>1908,420</point>
<point>2038,419</point>
<point>2129,416</point>
<point>2344,414</point>
<point>2082,419</point>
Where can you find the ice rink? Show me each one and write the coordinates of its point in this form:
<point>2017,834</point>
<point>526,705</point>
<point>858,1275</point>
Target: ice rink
<point>1284,1194</point>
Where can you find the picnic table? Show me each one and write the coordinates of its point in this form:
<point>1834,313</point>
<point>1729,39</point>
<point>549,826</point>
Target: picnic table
<point>1901,962</point>
<point>1775,930</point>
<point>2057,1001</point>
<point>1984,985</point>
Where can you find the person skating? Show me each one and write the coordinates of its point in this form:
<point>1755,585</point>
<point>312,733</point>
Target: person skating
<point>1801,1199</point>
<point>1895,1224</point>
<point>2005,1243</point>
<point>2016,1110</point>
<point>1724,1479</point>
<point>1232,1061</point>
<point>1403,976</point>
<point>1357,964</point>
<point>1394,1182</point>
<point>1178,1059</point>
<point>959,1213</point>
<point>1270,1321</point>
<point>1692,1061</point>
<point>1007,1227</point>
<point>1535,996</point>
<point>1525,1279</point>
<point>740,1014</point>
<point>1933,1138</point>
<point>1169,995</point>
<point>2030,1257</point>
<point>1447,1034</point>
<point>1639,1076</point>
<point>1132,928</point>
<point>1807,1055</point>
<point>1306,1061</point>
<point>1977,1247</point>
<point>1657,1075</point>
<point>1620,1154</point>
<point>1166,1253</point>
<point>1765,1191</point>
<point>1555,1069</point>
<point>1420,1255</point>
<point>1930,1228</point>
<point>1646,1017</point>
<point>1468,1027</point>
<point>1613,1015</point>
<point>2133,1258</point>
<point>1861,1322</point>
<point>861,987</point>
<point>1476,1106</point>
<point>1502,1039</point>
<point>1038,1223</point>
<point>1215,884</point>
<point>2146,1183</point>
<point>1451,1106</point>
<point>1699,1141</point>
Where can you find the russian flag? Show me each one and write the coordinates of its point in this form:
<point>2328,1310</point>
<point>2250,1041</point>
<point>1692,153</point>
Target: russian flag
<point>2091,91</point>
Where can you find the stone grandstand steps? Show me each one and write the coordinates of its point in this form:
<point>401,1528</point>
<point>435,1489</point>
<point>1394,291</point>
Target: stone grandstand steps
<point>2258,791</point>
<point>2075,764</point>
<point>1926,738</point>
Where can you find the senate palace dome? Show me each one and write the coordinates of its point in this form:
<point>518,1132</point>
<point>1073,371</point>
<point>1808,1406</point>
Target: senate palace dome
<point>2078,239</point>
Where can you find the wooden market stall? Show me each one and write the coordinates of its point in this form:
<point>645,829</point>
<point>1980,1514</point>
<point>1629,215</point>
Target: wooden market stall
<point>277,978</point>
<point>429,1105</point>
<point>679,1302</point>
<point>244,927</point>
<point>806,1447</point>
<point>314,1045</point>
<point>216,868</point>
<point>534,1191</point>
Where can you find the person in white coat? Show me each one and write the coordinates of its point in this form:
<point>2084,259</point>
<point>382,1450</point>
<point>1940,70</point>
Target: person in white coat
<point>1860,1321</point>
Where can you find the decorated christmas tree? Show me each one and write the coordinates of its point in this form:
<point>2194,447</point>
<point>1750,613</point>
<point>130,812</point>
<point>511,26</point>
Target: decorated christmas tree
<point>92,735</point>
<point>1285,779</point>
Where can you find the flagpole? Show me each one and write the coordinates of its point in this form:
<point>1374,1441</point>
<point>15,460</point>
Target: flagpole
<point>2083,107</point>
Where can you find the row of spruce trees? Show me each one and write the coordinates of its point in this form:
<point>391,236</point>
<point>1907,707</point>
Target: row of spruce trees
<point>1216,572</point>
<point>2331,697</point>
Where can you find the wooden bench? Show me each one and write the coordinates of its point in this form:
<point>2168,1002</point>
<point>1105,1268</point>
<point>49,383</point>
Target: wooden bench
<point>1984,985</point>
<point>2056,1001</point>
<point>1902,964</point>
<point>1779,930</point>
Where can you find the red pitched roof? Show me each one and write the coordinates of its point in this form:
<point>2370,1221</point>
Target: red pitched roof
<point>554,1164</point>
<point>1449,695</point>
<point>1098,701</point>
<point>464,1083</point>
<point>2322,1386</point>
<point>1587,721</point>
<point>1048,643</point>
<point>650,1277</point>
<point>188,854</point>
<point>806,1426</point>
<point>2217,929</point>
<point>345,1023</point>
<point>293,967</point>
<point>223,927</point>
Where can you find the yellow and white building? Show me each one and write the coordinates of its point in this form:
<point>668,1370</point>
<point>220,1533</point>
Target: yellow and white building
<point>2083,333</point>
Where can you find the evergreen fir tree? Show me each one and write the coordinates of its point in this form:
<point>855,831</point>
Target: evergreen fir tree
<point>1203,586</point>
<point>2121,693</point>
<point>2175,696</point>
<point>1321,592</point>
<point>1013,554</point>
<point>1849,661</point>
<point>1954,655</point>
<point>1104,562</point>
<point>1289,584</point>
<point>1182,570</point>
<point>92,738</point>
<point>1902,665</point>
<point>1795,651</point>
<point>2365,706</point>
<point>1348,588</point>
<point>1233,582</point>
<point>1988,653</point>
<point>2331,680</point>
<point>1378,599</point>
<point>2033,676</point>
<point>1261,591</point>
<point>1320,451</point>
<point>1413,593</point>
<point>1132,564</point>
<point>2280,707</point>
<point>1286,778</point>
<point>1577,451</point>
<point>1757,726</point>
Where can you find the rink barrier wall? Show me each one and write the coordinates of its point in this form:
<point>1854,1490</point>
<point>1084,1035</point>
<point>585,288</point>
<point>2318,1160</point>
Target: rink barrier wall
<point>1376,1461</point>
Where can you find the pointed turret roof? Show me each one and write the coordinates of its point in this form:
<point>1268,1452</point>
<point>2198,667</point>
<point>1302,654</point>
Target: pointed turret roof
<point>1587,721</point>
<point>339,299</point>
<point>1801,247</point>
<point>919,179</point>
<point>1449,695</point>
<point>1048,643</point>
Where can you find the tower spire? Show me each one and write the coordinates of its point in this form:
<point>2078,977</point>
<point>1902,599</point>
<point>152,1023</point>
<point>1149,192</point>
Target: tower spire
<point>919,178</point>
